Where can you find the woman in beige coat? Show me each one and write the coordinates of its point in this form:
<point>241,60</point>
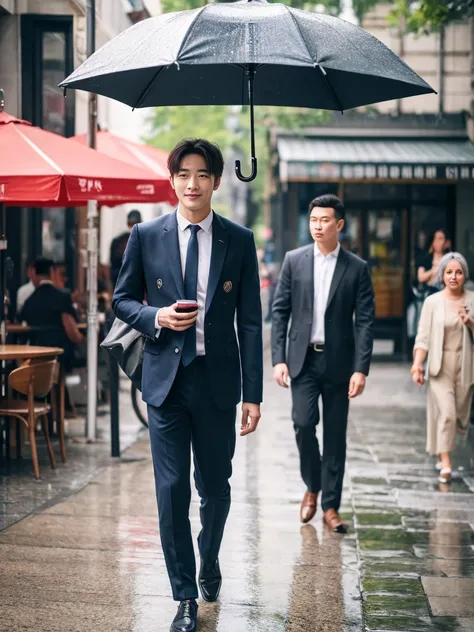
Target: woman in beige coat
<point>445,335</point>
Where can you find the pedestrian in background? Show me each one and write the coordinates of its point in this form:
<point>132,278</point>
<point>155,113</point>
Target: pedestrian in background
<point>194,370</point>
<point>428,264</point>
<point>26,290</point>
<point>445,336</point>
<point>321,288</point>
<point>119,244</point>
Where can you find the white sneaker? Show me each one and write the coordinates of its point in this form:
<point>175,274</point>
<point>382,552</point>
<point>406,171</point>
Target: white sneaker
<point>445,475</point>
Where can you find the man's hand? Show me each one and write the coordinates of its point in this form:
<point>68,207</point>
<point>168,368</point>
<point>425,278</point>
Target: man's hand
<point>250,418</point>
<point>169,318</point>
<point>281,374</point>
<point>356,385</point>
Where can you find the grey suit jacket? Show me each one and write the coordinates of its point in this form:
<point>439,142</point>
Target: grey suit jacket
<point>349,316</point>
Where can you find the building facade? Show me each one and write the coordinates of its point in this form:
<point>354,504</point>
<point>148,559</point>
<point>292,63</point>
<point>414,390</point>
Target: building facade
<point>41,42</point>
<point>403,169</point>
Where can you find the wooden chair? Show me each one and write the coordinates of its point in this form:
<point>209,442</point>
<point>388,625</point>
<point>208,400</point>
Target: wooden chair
<point>33,380</point>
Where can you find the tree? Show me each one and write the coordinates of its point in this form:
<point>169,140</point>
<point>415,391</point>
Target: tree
<point>426,16</point>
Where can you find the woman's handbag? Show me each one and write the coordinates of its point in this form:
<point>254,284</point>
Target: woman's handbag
<point>126,345</point>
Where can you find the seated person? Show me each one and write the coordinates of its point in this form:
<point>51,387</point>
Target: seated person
<point>50,309</point>
<point>26,290</point>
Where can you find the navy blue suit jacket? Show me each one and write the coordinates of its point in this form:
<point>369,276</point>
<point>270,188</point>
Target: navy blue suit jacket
<point>151,270</point>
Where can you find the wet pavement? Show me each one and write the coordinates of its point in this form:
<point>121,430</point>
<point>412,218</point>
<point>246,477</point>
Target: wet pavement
<point>88,557</point>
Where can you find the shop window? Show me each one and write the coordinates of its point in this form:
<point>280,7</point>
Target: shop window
<point>370,191</point>
<point>47,57</point>
<point>54,71</point>
<point>429,193</point>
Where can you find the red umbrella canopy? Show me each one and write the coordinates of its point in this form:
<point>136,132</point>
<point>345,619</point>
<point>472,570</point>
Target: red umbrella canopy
<point>140,155</point>
<point>39,168</point>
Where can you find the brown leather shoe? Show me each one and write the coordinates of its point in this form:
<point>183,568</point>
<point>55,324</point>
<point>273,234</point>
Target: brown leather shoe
<point>308,506</point>
<point>334,522</point>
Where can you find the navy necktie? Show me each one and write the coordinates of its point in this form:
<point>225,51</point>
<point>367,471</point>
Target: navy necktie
<point>190,291</point>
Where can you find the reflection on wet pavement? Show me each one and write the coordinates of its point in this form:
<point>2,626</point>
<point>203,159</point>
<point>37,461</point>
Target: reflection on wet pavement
<point>93,560</point>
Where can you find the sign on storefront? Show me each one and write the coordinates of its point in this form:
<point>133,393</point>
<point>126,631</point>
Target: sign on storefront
<point>340,171</point>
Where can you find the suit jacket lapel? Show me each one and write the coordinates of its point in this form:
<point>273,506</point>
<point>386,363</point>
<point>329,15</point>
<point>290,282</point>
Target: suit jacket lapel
<point>220,240</point>
<point>170,243</point>
<point>341,265</point>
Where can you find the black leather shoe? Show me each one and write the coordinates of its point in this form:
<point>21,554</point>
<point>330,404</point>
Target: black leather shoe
<point>186,617</point>
<point>210,580</point>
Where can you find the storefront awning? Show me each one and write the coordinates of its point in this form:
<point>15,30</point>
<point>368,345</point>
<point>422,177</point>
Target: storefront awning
<point>310,159</point>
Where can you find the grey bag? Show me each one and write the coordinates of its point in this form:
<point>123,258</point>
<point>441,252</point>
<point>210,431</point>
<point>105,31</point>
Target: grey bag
<point>126,344</point>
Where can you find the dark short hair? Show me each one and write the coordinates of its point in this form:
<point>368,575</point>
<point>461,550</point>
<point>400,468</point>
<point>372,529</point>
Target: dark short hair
<point>134,217</point>
<point>209,151</point>
<point>328,200</point>
<point>43,266</point>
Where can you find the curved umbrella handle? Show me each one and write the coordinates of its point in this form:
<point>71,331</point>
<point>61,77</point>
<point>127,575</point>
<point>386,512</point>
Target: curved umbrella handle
<point>249,178</point>
<point>250,72</point>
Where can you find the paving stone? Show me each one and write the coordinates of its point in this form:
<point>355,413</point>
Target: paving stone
<point>452,607</point>
<point>445,552</point>
<point>396,605</point>
<point>448,587</point>
<point>395,586</point>
<point>379,519</point>
<point>409,624</point>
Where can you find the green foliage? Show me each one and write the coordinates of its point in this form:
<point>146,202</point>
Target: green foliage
<point>229,127</point>
<point>426,16</point>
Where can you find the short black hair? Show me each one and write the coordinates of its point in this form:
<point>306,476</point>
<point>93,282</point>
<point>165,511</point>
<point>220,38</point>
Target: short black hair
<point>329,200</point>
<point>209,151</point>
<point>44,266</point>
<point>134,217</point>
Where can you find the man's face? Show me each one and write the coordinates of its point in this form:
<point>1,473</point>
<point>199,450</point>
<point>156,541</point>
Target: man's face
<point>31,273</point>
<point>194,185</point>
<point>324,227</point>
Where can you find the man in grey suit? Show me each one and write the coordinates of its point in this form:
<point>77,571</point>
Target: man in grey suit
<point>321,288</point>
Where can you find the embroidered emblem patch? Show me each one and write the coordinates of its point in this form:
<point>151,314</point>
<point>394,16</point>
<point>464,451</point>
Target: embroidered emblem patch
<point>159,284</point>
<point>227,286</point>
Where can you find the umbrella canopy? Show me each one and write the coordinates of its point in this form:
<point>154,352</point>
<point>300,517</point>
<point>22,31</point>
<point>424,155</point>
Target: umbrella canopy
<point>140,155</point>
<point>211,55</point>
<point>39,168</point>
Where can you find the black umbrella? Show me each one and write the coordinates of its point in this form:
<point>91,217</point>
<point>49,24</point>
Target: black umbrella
<point>247,52</point>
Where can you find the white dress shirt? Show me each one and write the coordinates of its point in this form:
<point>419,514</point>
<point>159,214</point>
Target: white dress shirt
<point>324,267</point>
<point>204,237</point>
<point>23,294</point>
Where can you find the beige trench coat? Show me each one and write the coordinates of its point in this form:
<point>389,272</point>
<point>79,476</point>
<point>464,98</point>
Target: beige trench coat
<point>430,337</point>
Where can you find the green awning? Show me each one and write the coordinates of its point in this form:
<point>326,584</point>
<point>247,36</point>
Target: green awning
<point>305,158</point>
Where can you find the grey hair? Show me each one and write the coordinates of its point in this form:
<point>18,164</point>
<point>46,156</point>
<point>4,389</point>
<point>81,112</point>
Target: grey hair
<point>443,264</point>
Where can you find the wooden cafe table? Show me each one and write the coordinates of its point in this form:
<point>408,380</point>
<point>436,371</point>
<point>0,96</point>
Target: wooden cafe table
<point>31,354</point>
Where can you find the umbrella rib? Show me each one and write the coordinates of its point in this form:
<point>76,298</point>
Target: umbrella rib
<point>40,152</point>
<point>316,64</point>
<point>331,89</point>
<point>145,92</point>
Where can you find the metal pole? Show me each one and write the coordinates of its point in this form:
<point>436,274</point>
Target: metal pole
<point>442,55</point>
<point>3,285</point>
<point>3,249</point>
<point>92,250</point>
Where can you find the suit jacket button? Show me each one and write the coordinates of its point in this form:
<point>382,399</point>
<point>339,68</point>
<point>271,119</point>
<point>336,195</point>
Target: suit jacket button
<point>176,350</point>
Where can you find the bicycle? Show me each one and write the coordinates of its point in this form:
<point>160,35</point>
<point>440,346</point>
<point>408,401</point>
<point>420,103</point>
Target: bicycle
<point>139,406</point>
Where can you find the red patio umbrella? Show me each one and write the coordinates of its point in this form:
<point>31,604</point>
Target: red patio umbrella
<point>39,168</point>
<point>138,154</point>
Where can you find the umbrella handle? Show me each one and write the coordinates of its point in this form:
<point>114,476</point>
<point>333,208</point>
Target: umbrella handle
<point>250,71</point>
<point>252,176</point>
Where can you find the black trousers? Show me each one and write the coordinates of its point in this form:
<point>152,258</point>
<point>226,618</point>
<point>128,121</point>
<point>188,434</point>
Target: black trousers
<point>324,474</point>
<point>188,418</point>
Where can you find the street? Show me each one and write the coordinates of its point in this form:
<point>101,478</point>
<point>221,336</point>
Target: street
<point>92,560</point>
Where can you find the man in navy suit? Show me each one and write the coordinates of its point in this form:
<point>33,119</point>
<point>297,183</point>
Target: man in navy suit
<point>196,365</point>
